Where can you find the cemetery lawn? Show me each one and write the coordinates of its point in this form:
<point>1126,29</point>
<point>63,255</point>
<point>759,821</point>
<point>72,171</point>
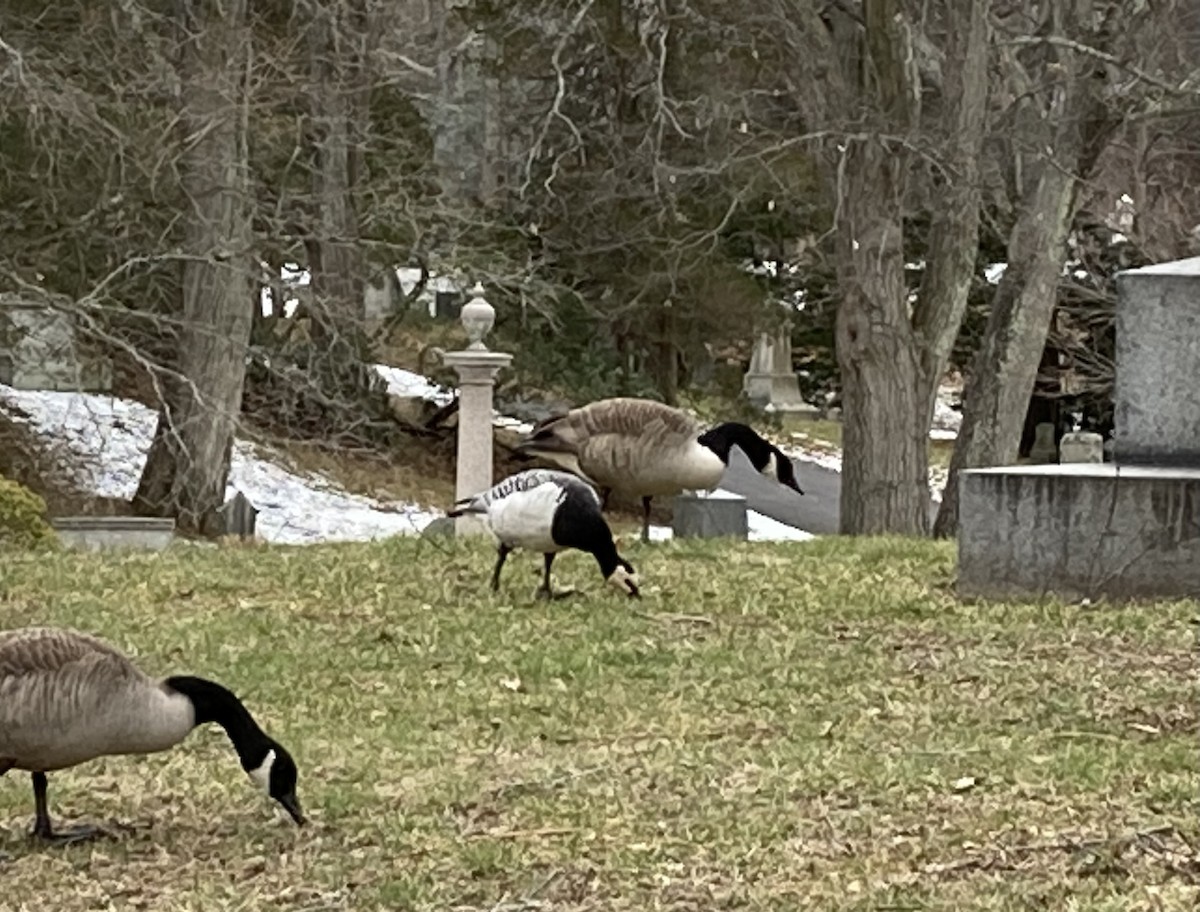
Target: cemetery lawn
<point>816,725</point>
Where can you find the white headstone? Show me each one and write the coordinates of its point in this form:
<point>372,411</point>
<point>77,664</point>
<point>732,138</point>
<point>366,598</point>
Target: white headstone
<point>1081,446</point>
<point>771,380</point>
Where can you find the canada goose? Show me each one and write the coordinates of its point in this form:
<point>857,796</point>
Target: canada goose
<point>549,511</point>
<point>67,697</point>
<point>645,448</point>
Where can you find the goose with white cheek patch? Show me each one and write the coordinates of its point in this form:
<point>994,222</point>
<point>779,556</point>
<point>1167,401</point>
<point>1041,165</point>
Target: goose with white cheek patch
<point>549,511</point>
<point>646,449</point>
<point>67,697</point>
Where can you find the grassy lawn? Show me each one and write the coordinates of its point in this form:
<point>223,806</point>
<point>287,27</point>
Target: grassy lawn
<point>808,726</point>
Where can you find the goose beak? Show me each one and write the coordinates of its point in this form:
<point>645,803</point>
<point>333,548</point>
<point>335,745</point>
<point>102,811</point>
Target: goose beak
<point>291,804</point>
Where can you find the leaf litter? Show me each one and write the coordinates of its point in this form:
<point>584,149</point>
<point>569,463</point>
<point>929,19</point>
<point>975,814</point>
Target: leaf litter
<point>835,739</point>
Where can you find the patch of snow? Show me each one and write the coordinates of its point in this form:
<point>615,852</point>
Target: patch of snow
<point>761,527</point>
<point>764,528</point>
<point>409,385</point>
<point>109,438</point>
<point>946,419</point>
<point>291,276</point>
<point>994,272</point>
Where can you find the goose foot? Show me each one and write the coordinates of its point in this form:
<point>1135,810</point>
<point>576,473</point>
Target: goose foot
<point>72,836</point>
<point>546,595</point>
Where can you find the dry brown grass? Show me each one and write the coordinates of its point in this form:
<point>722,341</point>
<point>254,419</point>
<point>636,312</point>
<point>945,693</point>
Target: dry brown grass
<point>801,726</point>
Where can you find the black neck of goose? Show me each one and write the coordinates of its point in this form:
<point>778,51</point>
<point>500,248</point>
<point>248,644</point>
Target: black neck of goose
<point>606,556</point>
<point>724,437</point>
<point>212,702</point>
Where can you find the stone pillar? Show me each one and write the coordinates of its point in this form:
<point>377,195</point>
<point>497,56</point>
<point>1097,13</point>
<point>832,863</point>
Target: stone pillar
<point>1156,398</point>
<point>476,367</point>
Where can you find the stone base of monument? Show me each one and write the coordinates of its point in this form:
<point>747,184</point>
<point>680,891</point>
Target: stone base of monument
<point>105,533</point>
<point>1081,530</point>
<point>720,514</point>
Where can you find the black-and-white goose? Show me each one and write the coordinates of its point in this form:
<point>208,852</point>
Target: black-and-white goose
<point>549,511</point>
<point>646,449</point>
<point>67,697</point>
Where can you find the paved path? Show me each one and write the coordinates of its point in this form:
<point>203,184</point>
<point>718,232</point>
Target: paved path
<point>818,511</point>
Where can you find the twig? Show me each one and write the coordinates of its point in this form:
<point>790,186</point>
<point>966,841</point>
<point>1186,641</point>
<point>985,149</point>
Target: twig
<point>521,834</point>
<point>1087,50</point>
<point>677,618</point>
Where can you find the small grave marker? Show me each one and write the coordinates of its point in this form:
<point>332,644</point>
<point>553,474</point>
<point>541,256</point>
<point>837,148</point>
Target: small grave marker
<point>238,516</point>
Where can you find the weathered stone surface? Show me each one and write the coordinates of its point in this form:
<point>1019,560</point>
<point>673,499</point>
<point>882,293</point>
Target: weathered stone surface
<point>1082,530</point>
<point>1156,397</point>
<point>114,533</point>
<point>717,515</point>
<point>476,379</point>
<point>1081,446</point>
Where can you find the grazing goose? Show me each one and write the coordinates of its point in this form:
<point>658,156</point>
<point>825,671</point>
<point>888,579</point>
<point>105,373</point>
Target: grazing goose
<point>549,511</point>
<point>644,448</point>
<point>67,697</point>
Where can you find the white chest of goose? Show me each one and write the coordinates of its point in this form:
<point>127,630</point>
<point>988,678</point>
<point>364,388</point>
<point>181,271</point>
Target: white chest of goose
<point>549,511</point>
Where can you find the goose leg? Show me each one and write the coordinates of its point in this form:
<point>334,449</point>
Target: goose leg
<point>502,553</point>
<point>41,826</point>
<point>605,493</point>
<point>546,591</point>
<point>646,519</point>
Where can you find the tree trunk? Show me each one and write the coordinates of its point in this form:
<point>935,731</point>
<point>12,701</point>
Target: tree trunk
<point>337,275</point>
<point>1004,370</point>
<point>337,45</point>
<point>188,464</point>
<point>885,462</point>
<point>954,233</point>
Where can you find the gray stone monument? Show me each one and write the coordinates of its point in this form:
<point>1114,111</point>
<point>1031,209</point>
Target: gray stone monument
<point>39,350</point>
<point>720,514</point>
<point>771,380</point>
<point>1081,446</point>
<point>1126,529</point>
<point>238,516</point>
<point>114,533</point>
<point>1156,396</point>
<point>1044,449</point>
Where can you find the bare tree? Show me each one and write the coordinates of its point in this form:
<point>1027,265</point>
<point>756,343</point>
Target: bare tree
<point>337,36</point>
<point>188,463</point>
<point>1071,81</point>
<point>859,77</point>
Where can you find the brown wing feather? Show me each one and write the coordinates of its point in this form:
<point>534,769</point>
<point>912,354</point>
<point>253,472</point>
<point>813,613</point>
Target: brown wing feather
<point>616,442</point>
<point>622,417</point>
<point>54,677</point>
<point>39,650</point>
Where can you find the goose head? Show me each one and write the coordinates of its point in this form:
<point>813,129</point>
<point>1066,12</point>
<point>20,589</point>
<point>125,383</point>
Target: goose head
<point>767,459</point>
<point>624,577</point>
<point>276,774</point>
